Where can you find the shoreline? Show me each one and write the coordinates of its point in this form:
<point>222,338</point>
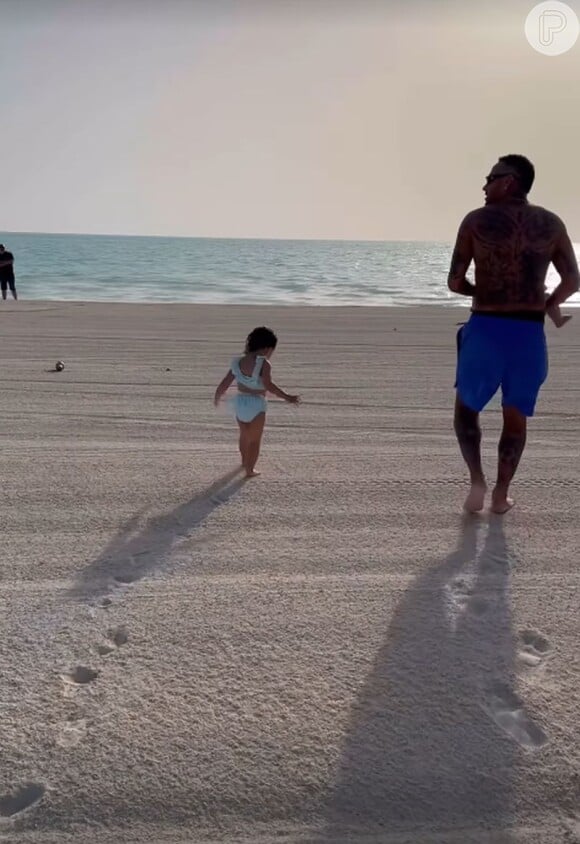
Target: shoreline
<point>111,303</point>
<point>28,304</point>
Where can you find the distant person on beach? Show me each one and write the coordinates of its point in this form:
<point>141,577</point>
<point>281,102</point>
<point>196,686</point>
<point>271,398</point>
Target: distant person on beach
<point>512,244</point>
<point>252,372</point>
<point>7,272</point>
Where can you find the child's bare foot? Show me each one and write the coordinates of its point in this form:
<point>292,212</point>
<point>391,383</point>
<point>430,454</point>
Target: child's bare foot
<point>253,473</point>
<point>501,503</point>
<point>476,498</point>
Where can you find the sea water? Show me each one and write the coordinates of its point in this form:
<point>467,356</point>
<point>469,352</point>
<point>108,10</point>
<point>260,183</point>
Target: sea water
<point>214,270</point>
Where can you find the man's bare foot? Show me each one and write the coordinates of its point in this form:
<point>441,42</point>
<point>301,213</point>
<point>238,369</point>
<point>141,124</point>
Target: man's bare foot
<point>476,498</point>
<point>500,503</point>
<point>252,474</point>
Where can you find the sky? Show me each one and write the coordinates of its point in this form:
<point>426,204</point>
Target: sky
<point>283,119</point>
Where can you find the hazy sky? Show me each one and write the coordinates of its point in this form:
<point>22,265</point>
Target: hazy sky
<point>315,119</point>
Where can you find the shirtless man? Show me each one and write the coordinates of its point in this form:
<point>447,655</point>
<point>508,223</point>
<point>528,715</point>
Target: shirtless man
<point>512,244</point>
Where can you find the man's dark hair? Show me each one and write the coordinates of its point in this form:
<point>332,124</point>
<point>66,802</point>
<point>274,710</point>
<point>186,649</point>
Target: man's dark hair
<point>524,169</point>
<point>261,338</point>
<point>1,246</point>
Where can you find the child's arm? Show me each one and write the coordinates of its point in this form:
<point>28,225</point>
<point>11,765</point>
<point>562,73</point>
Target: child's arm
<point>223,386</point>
<point>272,388</point>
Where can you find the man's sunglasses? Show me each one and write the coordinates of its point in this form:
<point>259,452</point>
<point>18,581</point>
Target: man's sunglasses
<point>490,179</point>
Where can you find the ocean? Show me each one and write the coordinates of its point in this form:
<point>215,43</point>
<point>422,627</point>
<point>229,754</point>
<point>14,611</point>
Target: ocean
<point>187,269</point>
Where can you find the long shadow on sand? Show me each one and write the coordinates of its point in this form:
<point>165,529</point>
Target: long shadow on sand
<point>135,552</point>
<point>436,729</point>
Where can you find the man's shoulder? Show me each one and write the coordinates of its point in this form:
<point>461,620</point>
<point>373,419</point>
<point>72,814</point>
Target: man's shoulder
<point>545,214</point>
<point>537,212</point>
<point>472,217</point>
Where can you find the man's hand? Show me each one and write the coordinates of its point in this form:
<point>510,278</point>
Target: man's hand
<point>556,315</point>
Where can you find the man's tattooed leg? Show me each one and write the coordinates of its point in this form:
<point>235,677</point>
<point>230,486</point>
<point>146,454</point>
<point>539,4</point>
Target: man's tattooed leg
<point>511,447</point>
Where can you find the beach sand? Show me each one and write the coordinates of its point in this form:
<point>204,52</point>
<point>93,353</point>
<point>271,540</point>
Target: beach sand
<point>329,653</point>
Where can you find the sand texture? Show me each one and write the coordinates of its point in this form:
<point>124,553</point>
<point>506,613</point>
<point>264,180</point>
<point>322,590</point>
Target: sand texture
<point>329,653</point>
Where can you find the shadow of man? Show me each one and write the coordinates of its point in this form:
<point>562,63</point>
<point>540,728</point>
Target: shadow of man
<point>423,752</point>
<point>135,552</point>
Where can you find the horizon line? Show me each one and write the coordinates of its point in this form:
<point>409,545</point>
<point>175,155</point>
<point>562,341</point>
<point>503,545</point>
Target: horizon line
<point>224,237</point>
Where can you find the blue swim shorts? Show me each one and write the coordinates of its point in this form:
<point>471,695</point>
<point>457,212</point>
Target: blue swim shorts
<point>494,352</point>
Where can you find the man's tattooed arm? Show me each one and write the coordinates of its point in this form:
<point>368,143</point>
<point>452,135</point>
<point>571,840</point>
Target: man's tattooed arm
<point>460,261</point>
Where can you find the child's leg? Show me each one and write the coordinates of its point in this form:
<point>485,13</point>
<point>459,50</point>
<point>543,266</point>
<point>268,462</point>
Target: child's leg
<point>243,441</point>
<point>254,432</point>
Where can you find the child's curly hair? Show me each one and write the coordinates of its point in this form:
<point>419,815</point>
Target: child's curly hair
<point>260,338</point>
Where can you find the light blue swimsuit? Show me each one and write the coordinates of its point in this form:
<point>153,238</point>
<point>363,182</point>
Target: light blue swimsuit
<point>247,406</point>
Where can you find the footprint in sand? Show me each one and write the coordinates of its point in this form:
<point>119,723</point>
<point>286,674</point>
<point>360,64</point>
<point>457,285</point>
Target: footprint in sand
<point>460,590</point>
<point>116,638</point>
<point>71,732</point>
<point>134,567</point>
<point>534,650</point>
<point>80,676</point>
<point>507,711</point>
<point>103,604</point>
<point>125,578</point>
<point>21,798</point>
<point>461,599</point>
<point>478,605</point>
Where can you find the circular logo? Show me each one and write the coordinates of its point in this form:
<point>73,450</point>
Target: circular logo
<point>552,28</point>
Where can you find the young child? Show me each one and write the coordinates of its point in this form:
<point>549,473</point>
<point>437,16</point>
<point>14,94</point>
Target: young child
<point>253,373</point>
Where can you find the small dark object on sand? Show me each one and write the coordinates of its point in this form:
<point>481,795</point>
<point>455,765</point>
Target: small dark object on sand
<point>59,366</point>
